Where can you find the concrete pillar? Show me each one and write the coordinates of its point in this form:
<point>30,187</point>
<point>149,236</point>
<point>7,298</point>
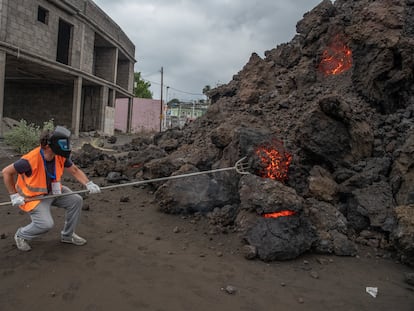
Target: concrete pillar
<point>2,78</point>
<point>103,101</point>
<point>129,118</point>
<point>82,48</point>
<point>77,103</point>
<point>115,66</point>
<point>131,78</point>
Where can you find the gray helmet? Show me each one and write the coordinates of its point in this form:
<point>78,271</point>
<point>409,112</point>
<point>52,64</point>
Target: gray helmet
<point>59,141</point>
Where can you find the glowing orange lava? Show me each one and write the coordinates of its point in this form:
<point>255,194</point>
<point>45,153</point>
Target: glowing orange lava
<point>275,164</point>
<point>279,214</point>
<point>336,59</point>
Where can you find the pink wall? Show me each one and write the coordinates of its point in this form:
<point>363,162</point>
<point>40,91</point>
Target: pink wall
<point>145,115</point>
<point>121,114</point>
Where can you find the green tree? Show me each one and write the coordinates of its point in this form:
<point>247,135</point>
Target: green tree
<point>174,101</point>
<point>141,87</point>
<point>206,89</point>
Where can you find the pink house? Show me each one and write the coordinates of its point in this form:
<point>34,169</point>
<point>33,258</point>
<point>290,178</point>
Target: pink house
<point>145,115</point>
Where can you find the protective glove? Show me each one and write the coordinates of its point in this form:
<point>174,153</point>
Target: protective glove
<point>16,199</point>
<point>92,187</point>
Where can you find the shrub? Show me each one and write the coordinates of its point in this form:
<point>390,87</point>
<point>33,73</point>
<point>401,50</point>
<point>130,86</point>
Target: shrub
<point>24,137</point>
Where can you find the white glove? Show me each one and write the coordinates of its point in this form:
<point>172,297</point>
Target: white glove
<point>16,199</point>
<point>92,187</point>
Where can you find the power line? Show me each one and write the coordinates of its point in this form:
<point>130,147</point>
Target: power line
<point>152,82</point>
<point>172,88</point>
<point>189,93</point>
<point>151,74</point>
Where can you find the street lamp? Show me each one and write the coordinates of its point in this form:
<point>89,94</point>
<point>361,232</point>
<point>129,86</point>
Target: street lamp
<point>166,108</point>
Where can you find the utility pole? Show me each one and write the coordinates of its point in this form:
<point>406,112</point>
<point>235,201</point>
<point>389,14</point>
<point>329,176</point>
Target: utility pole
<point>161,105</point>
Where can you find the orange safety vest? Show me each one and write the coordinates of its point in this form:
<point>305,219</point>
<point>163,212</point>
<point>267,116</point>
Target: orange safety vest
<point>36,183</point>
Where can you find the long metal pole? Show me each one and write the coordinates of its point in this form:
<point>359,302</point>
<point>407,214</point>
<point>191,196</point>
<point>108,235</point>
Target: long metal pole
<point>240,168</point>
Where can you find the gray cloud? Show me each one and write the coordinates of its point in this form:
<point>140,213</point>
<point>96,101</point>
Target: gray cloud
<point>202,43</point>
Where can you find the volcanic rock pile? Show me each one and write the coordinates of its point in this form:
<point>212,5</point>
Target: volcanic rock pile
<point>345,117</point>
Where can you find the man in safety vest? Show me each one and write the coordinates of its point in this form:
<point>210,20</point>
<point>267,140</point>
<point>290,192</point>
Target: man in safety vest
<point>39,173</point>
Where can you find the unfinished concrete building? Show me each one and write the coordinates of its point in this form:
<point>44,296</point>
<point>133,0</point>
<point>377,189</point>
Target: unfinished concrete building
<point>64,60</point>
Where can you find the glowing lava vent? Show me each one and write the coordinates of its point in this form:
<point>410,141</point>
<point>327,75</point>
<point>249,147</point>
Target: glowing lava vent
<point>279,214</point>
<point>336,59</point>
<point>274,162</point>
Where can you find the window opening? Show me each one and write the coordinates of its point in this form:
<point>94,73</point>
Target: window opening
<point>42,15</point>
<point>64,42</point>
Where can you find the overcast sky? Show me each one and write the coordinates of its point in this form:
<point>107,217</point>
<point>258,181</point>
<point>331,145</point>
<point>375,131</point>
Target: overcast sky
<point>201,43</point>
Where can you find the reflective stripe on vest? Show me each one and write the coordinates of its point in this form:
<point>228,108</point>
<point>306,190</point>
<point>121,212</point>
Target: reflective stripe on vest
<point>33,189</point>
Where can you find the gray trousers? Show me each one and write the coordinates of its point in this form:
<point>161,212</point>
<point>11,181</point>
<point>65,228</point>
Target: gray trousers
<point>42,220</point>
